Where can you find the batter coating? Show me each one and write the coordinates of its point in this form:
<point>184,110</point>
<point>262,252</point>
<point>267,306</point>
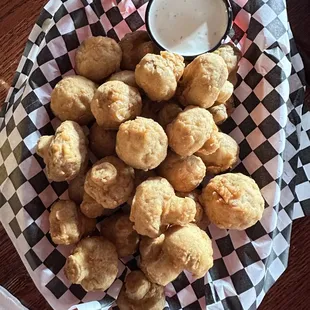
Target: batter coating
<point>233,201</point>
<point>98,57</point>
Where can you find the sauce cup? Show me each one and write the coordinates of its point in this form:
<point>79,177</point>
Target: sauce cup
<point>188,27</point>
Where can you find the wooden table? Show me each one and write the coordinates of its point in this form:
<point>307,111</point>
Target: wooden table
<point>289,293</point>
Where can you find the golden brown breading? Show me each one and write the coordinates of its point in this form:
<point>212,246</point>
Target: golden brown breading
<point>179,248</point>
<point>158,75</point>
<point>110,183</point>
<point>232,201</point>
<point>98,57</point>
<point>141,143</point>
<point>183,173</point>
<point>67,224</point>
<point>93,264</point>
<point>201,218</point>
<point>190,130</point>
<point>114,103</point>
<point>65,154</point>
<point>224,158</point>
<point>138,293</point>
<point>71,97</point>
<point>155,206</point>
<point>203,80</point>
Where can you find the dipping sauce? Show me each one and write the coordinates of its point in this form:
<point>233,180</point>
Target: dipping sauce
<point>188,27</point>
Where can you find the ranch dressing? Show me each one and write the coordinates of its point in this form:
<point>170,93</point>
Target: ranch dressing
<point>188,27</point>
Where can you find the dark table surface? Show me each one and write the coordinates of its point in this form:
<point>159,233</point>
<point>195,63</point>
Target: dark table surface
<point>291,291</point>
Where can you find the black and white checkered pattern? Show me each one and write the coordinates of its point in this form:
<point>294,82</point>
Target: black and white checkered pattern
<point>270,123</point>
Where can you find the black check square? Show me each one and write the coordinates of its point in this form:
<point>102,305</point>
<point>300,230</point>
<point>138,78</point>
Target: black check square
<point>305,205</point>
<point>60,13</point>
<point>52,34</point>
<point>251,102</point>
<point>229,125</point>
<point>47,130</point>
<point>33,234</point>
<point>256,231</point>
<point>40,38</point>
<point>262,177</point>
<point>59,187</point>
<point>27,66</point>
<point>97,29</point>
<point>78,291</point>
<point>15,203</point>
<point>44,56</point>
<point>225,245</point>
<point>255,28</point>
<point>57,287</point>
<point>236,33</point>
<point>265,152</point>
<point>32,259</point>
<point>253,6</point>
<point>219,270</point>
<point>64,63</point>
<point>15,227</point>
<point>39,182</point>
<point>97,7</point>
<point>26,127</point>
<point>193,306</point>
<point>269,126</point>
<point>44,15</point>
<point>37,79</point>
<point>247,126</point>
<point>53,84</point>
<point>35,208</point>
<point>210,294</point>
<point>114,16</point>
<point>79,18</point>
<point>232,303</point>
<point>28,48</point>
<point>55,261</point>
<point>252,53</point>
<point>253,78</point>
<point>199,288</point>
<point>138,3</point>
<point>112,34</point>
<point>71,40</point>
<point>241,169</point>
<point>17,178</point>
<point>10,126</point>
<point>134,21</point>
<point>180,282</point>
<point>5,150</point>
<point>294,117</point>
<point>273,101</point>
<point>275,76</point>
<point>247,254</point>
<point>31,102</point>
<point>241,281</point>
<point>21,152</point>
<point>173,302</point>
<point>3,173</point>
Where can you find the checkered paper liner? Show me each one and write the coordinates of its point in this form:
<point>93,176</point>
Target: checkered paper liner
<point>270,123</point>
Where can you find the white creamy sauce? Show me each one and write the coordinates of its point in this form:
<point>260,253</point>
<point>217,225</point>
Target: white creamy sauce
<point>188,27</point>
